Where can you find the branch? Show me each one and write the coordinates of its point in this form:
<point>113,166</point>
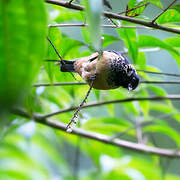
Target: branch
<point>104,26</point>
<point>102,138</point>
<point>84,83</point>
<point>153,21</point>
<point>60,84</point>
<point>132,9</point>
<point>73,120</point>
<point>160,82</point>
<point>115,16</point>
<point>131,99</point>
<point>160,73</point>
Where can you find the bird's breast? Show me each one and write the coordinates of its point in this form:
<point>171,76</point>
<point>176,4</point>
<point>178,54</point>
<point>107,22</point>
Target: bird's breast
<point>98,68</point>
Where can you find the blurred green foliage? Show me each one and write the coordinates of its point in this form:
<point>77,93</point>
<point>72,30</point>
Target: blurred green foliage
<point>22,47</point>
<point>30,151</point>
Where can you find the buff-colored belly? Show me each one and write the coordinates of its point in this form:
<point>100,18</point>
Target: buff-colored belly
<point>99,68</point>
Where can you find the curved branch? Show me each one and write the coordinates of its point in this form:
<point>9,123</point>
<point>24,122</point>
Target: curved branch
<point>59,84</point>
<point>115,16</point>
<point>160,82</point>
<point>103,26</point>
<point>102,138</point>
<point>93,104</point>
<point>84,83</point>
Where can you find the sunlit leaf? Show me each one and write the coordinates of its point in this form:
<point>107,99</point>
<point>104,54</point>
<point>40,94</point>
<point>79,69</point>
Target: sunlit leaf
<point>176,7</point>
<point>141,61</point>
<point>174,41</point>
<point>144,104</point>
<point>135,9</point>
<point>157,90</point>
<point>170,15</point>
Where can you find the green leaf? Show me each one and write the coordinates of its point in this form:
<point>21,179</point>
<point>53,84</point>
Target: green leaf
<point>13,175</point>
<point>86,35</point>
<point>141,61</point>
<point>159,107</point>
<point>176,7</point>
<point>157,90</point>
<point>137,10</point>
<point>22,47</point>
<point>170,16</point>
<point>164,130</point>
<point>144,104</point>
<point>66,14</point>
<point>110,108</point>
<point>173,41</point>
<point>150,41</point>
<point>130,40</point>
<point>94,11</point>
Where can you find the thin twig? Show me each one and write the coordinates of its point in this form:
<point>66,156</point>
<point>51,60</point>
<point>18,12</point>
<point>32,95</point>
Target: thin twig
<point>153,21</point>
<point>132,9</point>
<point>102,138</point>
<point>84,83</point>
<point>139,131</point>
<point>60,84</point>
<point>160,82</point>
<point>115,16</point>
<point>160,73</point>
<point>103,26</point>
<point>61,59</point>
<point>73,120</point>
<point>131,99</point>
<point>55,49</point>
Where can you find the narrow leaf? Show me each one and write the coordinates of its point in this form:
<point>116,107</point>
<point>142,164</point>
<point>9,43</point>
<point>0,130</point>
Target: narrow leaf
<point>94,11</point>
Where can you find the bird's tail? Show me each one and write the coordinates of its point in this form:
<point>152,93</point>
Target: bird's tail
<point>67,66</point>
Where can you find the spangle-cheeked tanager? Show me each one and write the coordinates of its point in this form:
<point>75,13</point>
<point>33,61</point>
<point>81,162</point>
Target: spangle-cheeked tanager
<point>110,71</point>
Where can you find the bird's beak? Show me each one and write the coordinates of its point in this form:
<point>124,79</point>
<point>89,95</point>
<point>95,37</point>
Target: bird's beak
<point>129,87</point>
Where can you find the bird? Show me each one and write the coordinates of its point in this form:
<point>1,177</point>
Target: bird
<point>110,70</point>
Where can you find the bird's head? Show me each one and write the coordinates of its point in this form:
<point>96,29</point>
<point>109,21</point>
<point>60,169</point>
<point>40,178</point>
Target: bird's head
<point>121,73</point>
